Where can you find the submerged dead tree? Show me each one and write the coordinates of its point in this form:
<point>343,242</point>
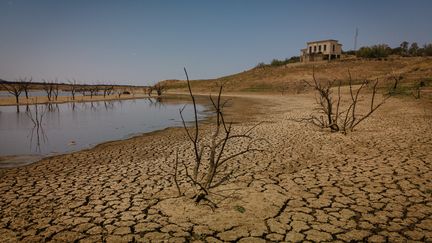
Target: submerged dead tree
<point>94,90</point>
<point>330,115</point>
<point>149,91</point>
<point>159,88</point>
<point>13,89</point>
<point>73,88</point>
<point>48,87</point>
<point>211,166</point>
<point>25,85</point>
<point>56,89</point>
<point>119,92</point>
<point>107,90</point>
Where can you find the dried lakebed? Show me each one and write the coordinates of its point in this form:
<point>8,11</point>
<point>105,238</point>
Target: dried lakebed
<point>371,185</point>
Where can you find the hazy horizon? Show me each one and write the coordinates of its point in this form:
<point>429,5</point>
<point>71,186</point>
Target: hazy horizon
<point>142,42</point>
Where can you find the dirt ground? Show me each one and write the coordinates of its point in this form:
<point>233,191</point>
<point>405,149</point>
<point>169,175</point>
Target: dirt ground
<point>374,184</point>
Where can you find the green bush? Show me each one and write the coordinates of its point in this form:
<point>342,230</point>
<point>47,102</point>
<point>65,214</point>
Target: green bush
<point>276,62</point>
<point>427,50</point>
<point>376,51</point>
<point>402,50</point>
<point>349,52</point>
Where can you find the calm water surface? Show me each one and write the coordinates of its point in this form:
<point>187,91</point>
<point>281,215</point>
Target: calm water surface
<point>70,127</point>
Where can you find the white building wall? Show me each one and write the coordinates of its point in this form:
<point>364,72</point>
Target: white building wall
<point>314,48</point>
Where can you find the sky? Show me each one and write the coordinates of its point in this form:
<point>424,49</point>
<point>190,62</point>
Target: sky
<point>142,42</point>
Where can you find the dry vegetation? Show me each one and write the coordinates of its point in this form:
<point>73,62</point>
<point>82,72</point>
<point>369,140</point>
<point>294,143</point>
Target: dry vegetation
<point>343,114</point>
<point>214,164</point>
<point>280,79</point>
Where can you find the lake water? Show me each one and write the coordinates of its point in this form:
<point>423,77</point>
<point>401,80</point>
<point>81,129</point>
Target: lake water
<point>70,127</point>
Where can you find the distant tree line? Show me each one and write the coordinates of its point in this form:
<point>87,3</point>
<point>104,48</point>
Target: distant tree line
<point>383,50</point>
<point>52,89</point>
<point>405,49</point>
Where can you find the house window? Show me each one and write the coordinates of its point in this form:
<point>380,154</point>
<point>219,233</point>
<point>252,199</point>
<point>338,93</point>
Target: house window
<point>314,48</point>
<point>310,49</point>
<point>325,47</point>
<point>319,48</point>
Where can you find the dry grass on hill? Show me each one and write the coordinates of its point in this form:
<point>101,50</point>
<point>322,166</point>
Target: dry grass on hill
<point>289,77</point>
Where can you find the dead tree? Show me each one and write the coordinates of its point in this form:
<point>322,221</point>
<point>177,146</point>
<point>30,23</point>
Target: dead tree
<point>55,89</point>
<point>325,105</point>
<point>107,90</point>
<point>48,88</point>
<point>160,88</point>
<point>73,85</point>
<point>93,91</point>
<point>149,90</point>
<point>83,91</point>
<point>110,91</point>
<point>211,165</point>
<point>25,85</point>
<point>119,93</point>
<point>13,89</point>
<point>330,114</point>
<point>352,117</point>
<point>396,78</point>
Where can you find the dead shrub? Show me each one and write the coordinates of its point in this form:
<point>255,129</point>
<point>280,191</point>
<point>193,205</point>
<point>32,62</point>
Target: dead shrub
<point>330,112</point>
<point>214,163</point>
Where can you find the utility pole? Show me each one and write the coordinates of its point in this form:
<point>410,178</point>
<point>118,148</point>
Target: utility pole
<point>355,39</point>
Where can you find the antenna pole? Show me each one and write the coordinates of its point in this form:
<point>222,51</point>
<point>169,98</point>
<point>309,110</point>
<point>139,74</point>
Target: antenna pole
<point>355,40</point>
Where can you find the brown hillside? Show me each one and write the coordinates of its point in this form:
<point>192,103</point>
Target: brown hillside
<point>291,76</point>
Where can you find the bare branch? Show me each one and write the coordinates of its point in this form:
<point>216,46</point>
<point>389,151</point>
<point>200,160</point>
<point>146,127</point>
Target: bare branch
<point>325,103</point>
<point>210,167</point>
<point>175,175</point>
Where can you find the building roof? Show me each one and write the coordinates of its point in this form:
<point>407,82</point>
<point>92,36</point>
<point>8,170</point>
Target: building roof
<point>311,42</point>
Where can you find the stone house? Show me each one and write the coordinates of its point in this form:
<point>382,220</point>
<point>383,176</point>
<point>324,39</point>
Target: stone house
<point>321,50</point>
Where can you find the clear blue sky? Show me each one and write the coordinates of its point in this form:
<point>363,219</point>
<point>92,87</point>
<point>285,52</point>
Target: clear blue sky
<point>141,42</point>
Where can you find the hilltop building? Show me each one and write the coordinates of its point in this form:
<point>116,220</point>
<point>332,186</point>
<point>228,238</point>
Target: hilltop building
<point>321,50</point>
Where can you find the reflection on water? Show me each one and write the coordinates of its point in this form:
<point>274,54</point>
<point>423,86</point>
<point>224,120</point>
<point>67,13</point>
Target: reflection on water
<point>37,132</point>
<point>59,128</point>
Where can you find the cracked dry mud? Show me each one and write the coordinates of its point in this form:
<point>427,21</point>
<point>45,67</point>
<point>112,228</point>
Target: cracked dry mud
<point>372,185</point>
